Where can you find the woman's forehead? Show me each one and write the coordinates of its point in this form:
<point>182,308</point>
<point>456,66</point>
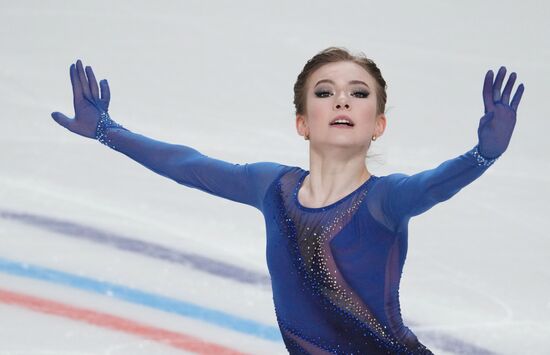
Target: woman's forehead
<point>341,72</point>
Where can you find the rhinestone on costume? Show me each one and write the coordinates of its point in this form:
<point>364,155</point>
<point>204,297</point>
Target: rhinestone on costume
<point>105,122</point>
<point>308,238</point>
<point>482,161</point>
<point>324,282</point>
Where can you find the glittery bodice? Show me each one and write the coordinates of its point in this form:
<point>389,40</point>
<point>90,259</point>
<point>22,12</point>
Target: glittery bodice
<point>335,270</point>
<point>335,273</point>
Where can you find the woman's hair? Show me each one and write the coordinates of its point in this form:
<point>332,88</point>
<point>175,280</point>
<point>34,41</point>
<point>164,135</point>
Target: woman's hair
<point>332,55</point>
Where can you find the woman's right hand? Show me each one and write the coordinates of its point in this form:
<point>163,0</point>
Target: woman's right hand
<point>88,105</point>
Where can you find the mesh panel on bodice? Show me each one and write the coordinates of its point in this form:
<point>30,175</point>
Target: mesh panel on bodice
<point>312,234</point>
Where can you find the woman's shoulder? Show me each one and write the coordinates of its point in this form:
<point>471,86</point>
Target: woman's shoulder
<point>382,184</point>
<point>392,178</point>
<point>270,166</point>
<point>267,170</point>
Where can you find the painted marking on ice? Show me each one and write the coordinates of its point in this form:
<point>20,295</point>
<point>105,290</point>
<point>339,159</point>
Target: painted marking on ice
<point>152,250</point>
<point>136,296</point>
<point>178,340</point>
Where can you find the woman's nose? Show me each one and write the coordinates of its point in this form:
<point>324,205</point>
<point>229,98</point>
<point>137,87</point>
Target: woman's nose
<point>341,105</point>
<point>341,102</point>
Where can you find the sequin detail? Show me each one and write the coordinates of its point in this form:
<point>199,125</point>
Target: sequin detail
<point>298,343</point>
<point>481,161</point>
<point>309,245</point>
<point>321,269</point>
<point>105,122</point>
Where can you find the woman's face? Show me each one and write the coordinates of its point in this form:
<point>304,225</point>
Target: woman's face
<point>341,89</point>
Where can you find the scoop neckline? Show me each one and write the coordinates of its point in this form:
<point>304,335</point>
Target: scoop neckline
<point>327,207</point>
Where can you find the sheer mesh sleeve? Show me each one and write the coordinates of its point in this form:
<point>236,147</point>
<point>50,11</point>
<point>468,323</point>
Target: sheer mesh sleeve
<point>407,196</point>
<point>245,183</point>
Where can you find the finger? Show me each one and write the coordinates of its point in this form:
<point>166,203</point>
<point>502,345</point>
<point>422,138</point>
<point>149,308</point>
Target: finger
<point>105,93</point>
<point>488,92</point>
<point>517,97</point>
<point>83,80</point>
<point>75,82</point>
<point>93,83</point>
<point>62,119</point>
<point>498,83</point>
<point>508,88</point>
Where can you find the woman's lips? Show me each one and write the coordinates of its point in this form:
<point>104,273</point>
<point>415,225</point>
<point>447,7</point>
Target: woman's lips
<point>341,126</point>
<point>350,123</point>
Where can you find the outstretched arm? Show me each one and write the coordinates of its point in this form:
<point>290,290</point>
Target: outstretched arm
<point>241,183</point>
<point>408,196</point>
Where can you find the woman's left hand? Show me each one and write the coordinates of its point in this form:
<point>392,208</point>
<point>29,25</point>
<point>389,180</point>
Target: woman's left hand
<point>496,126</point>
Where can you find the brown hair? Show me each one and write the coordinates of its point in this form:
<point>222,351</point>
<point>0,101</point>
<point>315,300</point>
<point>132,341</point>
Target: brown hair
<point>332,55</point>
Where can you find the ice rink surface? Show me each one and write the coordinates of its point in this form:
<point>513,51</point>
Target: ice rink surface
<point>99,255</point>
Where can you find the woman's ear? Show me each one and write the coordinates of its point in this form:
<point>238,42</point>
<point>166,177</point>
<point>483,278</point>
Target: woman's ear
<point>301,125</point>
<point>380,125</point>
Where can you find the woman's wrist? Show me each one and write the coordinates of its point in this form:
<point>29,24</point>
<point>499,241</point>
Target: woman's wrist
<point>481,160</point>
<point>103,125</point>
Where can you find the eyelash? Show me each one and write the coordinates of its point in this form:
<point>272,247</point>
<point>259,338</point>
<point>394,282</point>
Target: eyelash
<point>362,94</point>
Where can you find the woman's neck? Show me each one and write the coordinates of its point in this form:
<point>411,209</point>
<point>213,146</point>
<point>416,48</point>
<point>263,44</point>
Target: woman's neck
<point>331,178</point>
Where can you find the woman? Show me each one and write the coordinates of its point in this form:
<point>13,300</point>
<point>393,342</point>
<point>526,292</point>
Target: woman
<point>336,234</point>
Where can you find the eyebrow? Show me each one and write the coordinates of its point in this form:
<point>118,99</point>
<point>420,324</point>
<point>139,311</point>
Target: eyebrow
<point>351,82</point>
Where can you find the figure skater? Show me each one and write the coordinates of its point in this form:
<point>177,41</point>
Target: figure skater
<point>336,234</point>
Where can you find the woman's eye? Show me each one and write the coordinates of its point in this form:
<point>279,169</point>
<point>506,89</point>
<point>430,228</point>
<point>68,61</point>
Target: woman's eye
<point>360,94</point>
<point>322,93</point>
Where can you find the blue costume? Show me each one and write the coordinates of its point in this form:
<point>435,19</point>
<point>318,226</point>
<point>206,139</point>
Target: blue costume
<point>335,270</point>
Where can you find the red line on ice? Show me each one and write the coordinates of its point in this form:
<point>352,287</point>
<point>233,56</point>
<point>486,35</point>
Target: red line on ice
<point>177,340</point>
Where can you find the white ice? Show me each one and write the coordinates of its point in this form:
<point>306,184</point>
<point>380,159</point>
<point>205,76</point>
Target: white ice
<point>218,76</point>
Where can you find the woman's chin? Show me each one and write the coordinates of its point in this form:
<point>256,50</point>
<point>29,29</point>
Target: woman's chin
<point>342,142</point>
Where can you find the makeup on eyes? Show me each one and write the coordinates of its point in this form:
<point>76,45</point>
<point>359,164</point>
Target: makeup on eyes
<point>325,91</point>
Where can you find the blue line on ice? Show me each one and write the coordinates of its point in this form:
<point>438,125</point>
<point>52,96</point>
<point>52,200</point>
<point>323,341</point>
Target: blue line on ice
<point>151,300</point>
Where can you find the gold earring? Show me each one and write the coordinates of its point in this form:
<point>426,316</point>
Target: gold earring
<point>373,138</point>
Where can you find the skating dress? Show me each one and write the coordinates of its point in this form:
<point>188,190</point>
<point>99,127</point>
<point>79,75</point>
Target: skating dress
<point>335,270</point>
